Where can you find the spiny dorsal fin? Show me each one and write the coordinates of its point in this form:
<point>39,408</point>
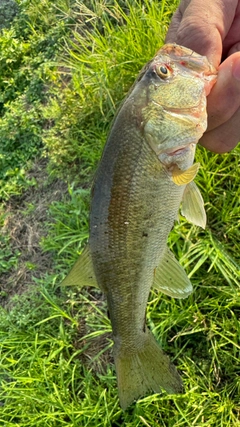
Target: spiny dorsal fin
<point>170,277</point>
<point>82,273</point>
<point>180,177</point>
<point>193,205</point>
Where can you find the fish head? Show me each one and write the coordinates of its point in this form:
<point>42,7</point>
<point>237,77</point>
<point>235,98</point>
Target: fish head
<point>174,86</point>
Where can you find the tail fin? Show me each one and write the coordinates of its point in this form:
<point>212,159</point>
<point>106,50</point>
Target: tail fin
<point>146,369</point>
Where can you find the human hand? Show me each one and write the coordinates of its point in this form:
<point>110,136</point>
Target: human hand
<point>213,30</point>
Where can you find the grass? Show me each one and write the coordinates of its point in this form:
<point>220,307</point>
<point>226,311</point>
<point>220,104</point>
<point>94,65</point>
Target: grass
<point>56,365</point>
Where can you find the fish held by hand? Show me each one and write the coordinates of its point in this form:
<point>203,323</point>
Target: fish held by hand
<point>145,173</point>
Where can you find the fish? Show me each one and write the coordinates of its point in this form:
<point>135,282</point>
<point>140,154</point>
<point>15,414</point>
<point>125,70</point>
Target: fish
<point>146,172</point>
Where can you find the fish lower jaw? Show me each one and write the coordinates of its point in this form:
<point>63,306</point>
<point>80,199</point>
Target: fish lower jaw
<point>174,155</point>
<point>178,151</point>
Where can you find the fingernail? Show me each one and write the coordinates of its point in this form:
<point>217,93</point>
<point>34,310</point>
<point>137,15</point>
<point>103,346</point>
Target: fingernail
<point>236,69</point>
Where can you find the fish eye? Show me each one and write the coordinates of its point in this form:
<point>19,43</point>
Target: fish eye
<point>163,71</point>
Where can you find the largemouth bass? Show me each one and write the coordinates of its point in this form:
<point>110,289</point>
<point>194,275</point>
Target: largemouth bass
<point>145,173</point>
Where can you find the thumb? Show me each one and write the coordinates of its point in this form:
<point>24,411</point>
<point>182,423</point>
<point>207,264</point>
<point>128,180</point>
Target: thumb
<point>202,28</point>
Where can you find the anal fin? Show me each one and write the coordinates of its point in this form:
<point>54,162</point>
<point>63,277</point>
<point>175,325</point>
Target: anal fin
<point>82,273</point>
<point>170,277</point>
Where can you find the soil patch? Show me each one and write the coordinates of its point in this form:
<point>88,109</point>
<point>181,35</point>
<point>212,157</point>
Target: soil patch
<point>25,223</point>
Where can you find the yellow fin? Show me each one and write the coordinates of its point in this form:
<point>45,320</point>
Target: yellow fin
<point>146,368</point>
<point>82,273</point>
<point>193,205</point>
<point>170,277</point>
<point>180,177</point>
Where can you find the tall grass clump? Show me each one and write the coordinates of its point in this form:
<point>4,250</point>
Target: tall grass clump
<point>29,46</point>
<point>110,43</point>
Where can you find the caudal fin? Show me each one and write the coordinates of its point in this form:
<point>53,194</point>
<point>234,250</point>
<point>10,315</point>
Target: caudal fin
<point>146,369</point>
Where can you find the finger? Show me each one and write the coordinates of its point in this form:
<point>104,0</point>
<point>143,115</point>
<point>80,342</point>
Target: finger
<point>223,106</point>
<point>203,28</point>
<point>235,48</point>
<point>224,98</point>
<point>223,138</point>
<point>174,24</point>
<point>232,39</point>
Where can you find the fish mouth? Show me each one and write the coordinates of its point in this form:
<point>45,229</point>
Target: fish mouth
<point>178,151</point>
<point>169,147</point>
<point>174,155</point>
<point>191,112</point>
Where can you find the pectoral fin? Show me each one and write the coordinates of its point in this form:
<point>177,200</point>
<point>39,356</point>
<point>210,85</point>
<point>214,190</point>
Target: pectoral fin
<point>82,273</point>
<point>193,205</point>
<point>180,177</point>
<point>170,278</point>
